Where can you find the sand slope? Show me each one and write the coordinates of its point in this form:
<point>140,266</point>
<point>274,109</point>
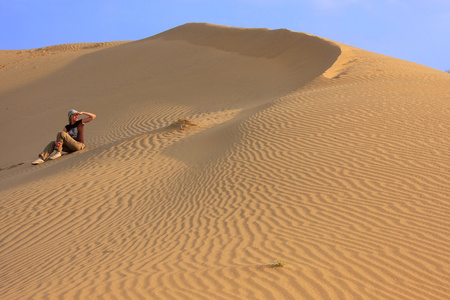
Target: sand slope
<point>331,159</point>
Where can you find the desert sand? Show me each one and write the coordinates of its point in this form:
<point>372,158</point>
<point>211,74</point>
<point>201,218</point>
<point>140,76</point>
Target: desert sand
<point>308,169</point>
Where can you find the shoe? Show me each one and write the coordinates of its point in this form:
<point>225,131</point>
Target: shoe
<point>56,154</point>
<point>38,161</point>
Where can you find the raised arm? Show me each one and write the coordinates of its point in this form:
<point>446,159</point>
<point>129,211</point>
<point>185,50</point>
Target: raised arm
<point>90,116</point>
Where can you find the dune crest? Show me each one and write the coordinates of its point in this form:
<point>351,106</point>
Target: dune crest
<point>315,170</point>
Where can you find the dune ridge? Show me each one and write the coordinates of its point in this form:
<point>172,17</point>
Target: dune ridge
<point>329,158</point>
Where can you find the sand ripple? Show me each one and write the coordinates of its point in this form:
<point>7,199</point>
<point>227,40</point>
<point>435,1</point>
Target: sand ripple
<point>343,178</point>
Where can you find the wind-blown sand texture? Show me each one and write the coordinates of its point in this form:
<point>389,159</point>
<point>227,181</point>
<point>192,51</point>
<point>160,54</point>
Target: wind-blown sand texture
<point>330,159</point>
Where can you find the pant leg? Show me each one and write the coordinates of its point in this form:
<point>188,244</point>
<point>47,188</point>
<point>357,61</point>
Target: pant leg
<point>68,143</point>
<point>47,150</point>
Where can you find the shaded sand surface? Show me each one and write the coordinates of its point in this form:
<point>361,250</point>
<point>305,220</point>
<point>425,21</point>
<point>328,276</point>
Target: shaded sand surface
<point>327,158</point>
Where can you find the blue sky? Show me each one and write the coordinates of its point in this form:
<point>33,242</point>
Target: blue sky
<point>413,30</point>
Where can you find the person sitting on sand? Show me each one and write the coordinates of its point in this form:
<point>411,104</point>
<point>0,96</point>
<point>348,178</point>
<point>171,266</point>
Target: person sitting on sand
<point>71,139</point>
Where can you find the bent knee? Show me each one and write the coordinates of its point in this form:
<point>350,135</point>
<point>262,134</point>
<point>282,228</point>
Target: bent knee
<point>62,135</point>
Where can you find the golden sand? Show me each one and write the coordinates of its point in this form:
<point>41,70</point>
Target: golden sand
<point>306,169</point>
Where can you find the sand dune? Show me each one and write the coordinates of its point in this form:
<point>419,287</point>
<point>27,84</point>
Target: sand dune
<point>328,158</point>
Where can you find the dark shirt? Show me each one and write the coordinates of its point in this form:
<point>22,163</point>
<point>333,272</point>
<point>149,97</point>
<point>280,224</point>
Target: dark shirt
<point>76,131</point>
